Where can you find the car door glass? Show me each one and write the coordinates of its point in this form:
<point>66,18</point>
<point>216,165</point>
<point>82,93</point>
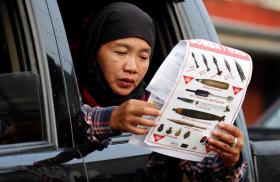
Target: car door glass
<point>20,107</point>
<point>271,117</point>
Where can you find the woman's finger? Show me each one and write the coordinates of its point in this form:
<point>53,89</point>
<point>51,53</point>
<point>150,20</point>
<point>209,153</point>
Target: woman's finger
<point>141,108</point>
<point>231,132</point>
<point>230,128</point>
<point>144,110</point>
<point>136,130</point>
<point>143,122</point>
<point>224,137</point>
<point>220,145</point>
<point>224,154</point>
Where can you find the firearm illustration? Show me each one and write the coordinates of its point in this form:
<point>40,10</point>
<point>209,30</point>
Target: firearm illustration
<point>198,114</point>
<point>205,93</point>
<point>214,83</point>
<point>202,104</point>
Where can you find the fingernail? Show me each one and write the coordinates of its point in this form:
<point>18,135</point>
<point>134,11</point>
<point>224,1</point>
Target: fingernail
<point>221,124</point>
<point>210,140</point>
<point>214,132</point>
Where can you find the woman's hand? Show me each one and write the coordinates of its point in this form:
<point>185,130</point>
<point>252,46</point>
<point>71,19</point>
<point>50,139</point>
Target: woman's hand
<point>227,143</point>
<point>128,116</point>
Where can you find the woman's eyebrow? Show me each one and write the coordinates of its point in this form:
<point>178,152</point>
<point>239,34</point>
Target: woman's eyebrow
<point>122,45</point>
<point>148,50</point>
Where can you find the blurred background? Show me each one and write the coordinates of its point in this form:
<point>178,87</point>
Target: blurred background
<point>254,27</point>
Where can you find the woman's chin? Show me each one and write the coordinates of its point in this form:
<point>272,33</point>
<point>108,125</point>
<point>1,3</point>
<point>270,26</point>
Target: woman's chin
<point>123,91</point>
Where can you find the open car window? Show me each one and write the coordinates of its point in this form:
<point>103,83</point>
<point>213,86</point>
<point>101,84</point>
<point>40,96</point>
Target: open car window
<point>167,36</point>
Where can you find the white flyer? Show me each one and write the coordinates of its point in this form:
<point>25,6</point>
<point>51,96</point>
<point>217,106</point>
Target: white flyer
<point>200,84</point>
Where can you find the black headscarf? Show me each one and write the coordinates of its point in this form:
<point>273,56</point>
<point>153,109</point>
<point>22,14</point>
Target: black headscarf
<point>115,21</point>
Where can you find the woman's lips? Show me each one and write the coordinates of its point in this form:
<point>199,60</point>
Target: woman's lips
<point>126,82</point>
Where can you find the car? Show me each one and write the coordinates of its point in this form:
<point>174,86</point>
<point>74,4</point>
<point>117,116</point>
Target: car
<point>40,99</point>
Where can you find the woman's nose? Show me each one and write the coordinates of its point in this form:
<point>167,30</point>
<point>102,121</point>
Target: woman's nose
<point>131,65</point>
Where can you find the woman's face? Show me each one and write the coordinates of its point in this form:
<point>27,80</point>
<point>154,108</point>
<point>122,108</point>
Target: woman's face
<point>124,63</point>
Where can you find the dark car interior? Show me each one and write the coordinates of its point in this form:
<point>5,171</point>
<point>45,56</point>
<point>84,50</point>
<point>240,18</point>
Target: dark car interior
<point>20,108</point>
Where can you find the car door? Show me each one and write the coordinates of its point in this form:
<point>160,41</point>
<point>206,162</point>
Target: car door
<point>265,144</point>
<point>39,98</point>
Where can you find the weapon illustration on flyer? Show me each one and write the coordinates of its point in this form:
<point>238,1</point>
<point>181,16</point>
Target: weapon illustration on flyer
<point>194,95</point>
<point>219,72</point>
<point>197,66</point>
<point>240,71</point>
<point>205,105</point>
<point>180,122</point>
<point>205,62</point>
<point>213,83</point>
<point>204,93</point>
<point>228,68</point>
<point>198,114</point>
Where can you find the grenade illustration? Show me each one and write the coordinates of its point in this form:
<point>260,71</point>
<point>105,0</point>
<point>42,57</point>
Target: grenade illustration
<point>178,132</point>
<point>203,139</point>
<point>169,130</point>
<point>187,134</point>
<point>160,128</point>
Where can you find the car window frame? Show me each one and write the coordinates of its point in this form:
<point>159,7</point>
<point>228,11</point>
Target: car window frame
<point>37,53</point>
<point>18,14</point>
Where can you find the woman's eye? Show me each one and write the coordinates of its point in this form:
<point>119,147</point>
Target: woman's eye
<point>144,57</point>
<point>120,52</point>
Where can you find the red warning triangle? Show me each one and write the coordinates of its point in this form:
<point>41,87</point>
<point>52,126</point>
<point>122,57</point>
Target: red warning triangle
<point>236,90</point>
<point>187,79</point>
<point>158,137</point>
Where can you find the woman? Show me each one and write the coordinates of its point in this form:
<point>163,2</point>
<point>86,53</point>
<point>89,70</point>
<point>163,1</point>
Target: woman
<point>113,60</point>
